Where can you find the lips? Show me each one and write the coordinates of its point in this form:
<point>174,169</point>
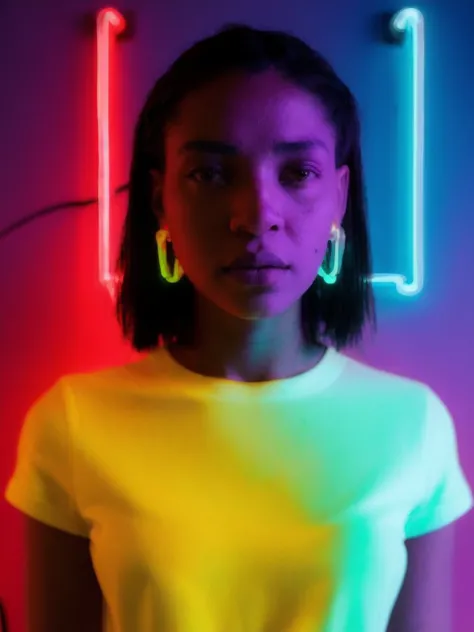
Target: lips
<point>256,268</point>
<point>258,277</point>
<point>257,261</point>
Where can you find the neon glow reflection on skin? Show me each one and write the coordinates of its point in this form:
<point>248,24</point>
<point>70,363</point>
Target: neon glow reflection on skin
<point>108,20</point>
<point>412,21</point>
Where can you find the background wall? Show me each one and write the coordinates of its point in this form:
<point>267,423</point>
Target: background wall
<point>56,318</point>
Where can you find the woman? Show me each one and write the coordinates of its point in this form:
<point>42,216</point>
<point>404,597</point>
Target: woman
<point>244,475</point>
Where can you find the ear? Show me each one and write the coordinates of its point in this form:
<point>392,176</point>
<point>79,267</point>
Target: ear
<point>157,193</point>
<point>343,180</point>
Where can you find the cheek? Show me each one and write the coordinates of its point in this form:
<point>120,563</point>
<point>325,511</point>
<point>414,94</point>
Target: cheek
<point>194,241</point>
<point>197,226</point>
<point>309,260</point>
<point>311,241</point>
<point>311,234</point>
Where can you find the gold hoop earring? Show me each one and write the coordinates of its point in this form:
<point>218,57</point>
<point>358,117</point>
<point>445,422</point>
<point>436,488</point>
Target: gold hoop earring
<point>162,240</point>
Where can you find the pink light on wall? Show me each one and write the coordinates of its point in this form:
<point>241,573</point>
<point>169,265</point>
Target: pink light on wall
<point>110,23</point>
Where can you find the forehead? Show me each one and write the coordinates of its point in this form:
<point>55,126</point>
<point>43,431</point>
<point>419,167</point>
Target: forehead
<point>252,111</point>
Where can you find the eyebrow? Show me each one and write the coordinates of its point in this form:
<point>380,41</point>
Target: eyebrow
<point>222,148</point>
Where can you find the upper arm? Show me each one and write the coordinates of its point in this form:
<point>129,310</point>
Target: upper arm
<point>424,601</point>
<point>62,588</point>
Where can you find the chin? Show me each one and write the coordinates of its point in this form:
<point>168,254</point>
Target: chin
<point>251,303</point>
<point>258,307</point>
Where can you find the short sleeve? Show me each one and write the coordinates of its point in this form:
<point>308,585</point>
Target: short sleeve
<point>42,484</point>
<point>447,495</point>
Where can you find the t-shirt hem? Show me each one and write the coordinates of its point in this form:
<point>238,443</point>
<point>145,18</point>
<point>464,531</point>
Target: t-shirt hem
<point>446,514</point>
<point>40,512</point>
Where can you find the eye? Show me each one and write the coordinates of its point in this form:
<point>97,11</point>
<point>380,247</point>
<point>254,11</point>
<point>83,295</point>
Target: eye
<point>207,175</point>
<point>301,174</point>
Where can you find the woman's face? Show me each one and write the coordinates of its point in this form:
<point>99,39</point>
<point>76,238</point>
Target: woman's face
<point>250,170</point>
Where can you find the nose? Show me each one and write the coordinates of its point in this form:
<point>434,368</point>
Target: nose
<point>255,211</point>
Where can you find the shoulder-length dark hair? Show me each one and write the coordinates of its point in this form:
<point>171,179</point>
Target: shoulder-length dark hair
<point>151,311</point>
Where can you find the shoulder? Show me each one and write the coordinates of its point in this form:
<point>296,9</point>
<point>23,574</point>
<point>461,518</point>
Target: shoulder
<point>407,409</point>
<point>118,378</point>
<point>384,386</point>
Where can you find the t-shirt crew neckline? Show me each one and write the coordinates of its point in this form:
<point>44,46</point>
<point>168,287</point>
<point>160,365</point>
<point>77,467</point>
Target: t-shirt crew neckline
<point>317,378</point>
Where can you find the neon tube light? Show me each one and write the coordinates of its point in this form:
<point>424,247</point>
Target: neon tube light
<point>108,20</point>
<point>412,20</point>
<point>407,20</point>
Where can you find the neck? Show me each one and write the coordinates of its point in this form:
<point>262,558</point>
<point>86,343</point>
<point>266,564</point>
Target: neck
<point>247,350</point>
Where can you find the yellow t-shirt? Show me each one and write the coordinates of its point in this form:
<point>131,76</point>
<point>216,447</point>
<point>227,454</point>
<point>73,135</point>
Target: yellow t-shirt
<point>214,505</point>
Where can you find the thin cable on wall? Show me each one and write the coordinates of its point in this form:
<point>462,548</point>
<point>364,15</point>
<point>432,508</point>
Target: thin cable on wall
<point>48,210</point>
